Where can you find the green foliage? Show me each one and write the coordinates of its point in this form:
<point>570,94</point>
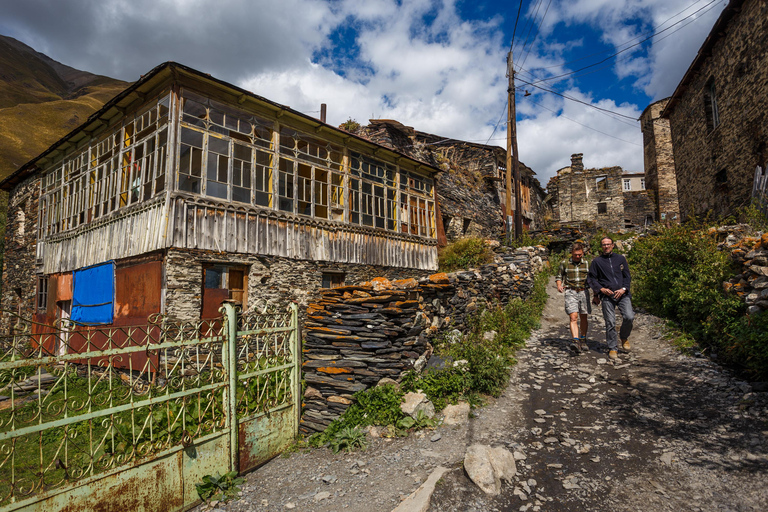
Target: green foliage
<point>464,253</point>
<point>350,125</point>
<point>348,439</point>
<point>678,275</point>
<point>419,423</point>
<point>221,487</point>
<point>752,215</point>
<point>526,240</point>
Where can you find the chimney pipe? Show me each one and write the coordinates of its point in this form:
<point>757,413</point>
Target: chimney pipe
<point>322,112</point>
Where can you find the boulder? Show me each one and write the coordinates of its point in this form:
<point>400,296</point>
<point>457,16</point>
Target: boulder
<point>456,414</point>
<point>487,467</point>
<point>415,402</point>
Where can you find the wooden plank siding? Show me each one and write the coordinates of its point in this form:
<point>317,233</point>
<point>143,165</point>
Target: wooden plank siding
<point>133,232</point>
<point>198,223</point>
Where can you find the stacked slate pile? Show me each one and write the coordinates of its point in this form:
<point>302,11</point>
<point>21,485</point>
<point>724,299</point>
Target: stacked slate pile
<point>357,335</point>
<point>751,255</point>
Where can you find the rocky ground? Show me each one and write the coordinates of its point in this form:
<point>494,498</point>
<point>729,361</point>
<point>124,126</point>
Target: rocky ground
<point>655,431</point>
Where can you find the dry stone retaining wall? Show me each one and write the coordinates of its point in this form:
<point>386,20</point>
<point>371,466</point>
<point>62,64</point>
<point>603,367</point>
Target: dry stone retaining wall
<point>751,255</point>
<point>357,335</point>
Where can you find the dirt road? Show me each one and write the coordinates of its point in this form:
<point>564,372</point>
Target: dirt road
<point>655,431</point>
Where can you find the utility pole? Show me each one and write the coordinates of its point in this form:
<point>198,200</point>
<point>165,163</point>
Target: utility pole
<point>513,166</point>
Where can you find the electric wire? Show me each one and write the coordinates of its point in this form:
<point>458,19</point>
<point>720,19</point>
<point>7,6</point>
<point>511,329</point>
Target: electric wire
<point>538,30</point>
<point>586,126</point>
<point>514,31</point>
<point>549,79</point>
<point>506,103</point>
<point>652,31</point>
<point>580,101</point>
<point>529,24</point>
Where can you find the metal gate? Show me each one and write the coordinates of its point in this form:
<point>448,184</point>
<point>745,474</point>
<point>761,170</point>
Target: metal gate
<point>131,418</point>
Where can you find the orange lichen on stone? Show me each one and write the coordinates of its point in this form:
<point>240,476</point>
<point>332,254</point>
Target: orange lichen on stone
<point>405,284</point>
<point>360,293</point>
<point>327,369</point>
<point>727,287</point>
<point>764,240</point>
<point>439,278</point>
<point>381,283</point>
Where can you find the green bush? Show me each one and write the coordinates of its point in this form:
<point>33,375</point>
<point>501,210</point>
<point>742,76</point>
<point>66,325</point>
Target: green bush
<point>678,275</point>
<point>464,253</point>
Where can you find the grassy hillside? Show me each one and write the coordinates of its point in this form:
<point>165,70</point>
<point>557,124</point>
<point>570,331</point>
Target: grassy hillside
<point>42,100</point>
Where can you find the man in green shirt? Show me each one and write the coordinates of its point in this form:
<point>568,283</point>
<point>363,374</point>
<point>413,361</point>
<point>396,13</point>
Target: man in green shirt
<point>572,280</point>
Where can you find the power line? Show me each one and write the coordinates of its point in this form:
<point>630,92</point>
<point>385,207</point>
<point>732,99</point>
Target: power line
<point>625,49</point>
<point>538,30</point>
<point>515,29</point>
<point>529,24</point>
<point>625,42</point>
<point>498,122</point>
<point>586,126</point>
<point>579,101</point>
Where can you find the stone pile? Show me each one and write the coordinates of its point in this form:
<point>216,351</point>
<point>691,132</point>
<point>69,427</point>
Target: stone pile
<point>357,335</point>
<point>751,255</point>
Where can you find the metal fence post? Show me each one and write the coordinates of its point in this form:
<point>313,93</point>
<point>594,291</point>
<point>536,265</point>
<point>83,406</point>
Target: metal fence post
<point>297,354</point>
<point>230,364</point>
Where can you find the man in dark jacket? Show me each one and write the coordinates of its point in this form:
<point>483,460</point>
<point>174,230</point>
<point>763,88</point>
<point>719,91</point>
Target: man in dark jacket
<point>609,279</point>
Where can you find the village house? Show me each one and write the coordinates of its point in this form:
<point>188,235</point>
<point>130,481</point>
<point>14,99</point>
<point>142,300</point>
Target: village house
<point>184,191</point>
<point>606,198</point>
<point>718,114</point>
<point>471,190</point>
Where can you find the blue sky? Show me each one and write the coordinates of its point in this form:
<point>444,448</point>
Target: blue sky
<point>436,65</point>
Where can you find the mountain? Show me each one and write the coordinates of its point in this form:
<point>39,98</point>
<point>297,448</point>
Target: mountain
<point>42,100</point>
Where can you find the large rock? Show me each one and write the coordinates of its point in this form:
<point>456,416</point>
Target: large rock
<point>487,467</point>
<point>415,402</point>
<point>456,414</point>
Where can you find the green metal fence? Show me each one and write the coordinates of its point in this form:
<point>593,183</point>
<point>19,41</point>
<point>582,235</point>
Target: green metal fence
<point>136,415</point>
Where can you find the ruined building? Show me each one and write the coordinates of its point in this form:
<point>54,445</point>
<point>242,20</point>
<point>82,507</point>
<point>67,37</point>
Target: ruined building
<point>184,190</point>
<point>659,162</point>
<point>605,198</point>
<point>719,114</point>
<point>471,189</point>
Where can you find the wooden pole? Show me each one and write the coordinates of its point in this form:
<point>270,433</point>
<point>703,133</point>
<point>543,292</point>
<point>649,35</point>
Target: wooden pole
<point>510,109</point>
<point>513,164</point>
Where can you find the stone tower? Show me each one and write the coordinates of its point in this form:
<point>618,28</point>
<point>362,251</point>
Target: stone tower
<point>660,162</point>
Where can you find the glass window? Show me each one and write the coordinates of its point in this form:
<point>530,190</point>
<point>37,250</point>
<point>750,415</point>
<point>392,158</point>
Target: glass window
<point>627,184</point>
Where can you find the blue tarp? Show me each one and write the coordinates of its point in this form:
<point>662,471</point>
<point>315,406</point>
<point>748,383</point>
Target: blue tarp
<point>93,292</point>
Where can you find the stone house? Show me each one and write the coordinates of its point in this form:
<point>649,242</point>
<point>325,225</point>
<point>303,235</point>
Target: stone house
<point>659,162</point>
<point>471,189</point>
<point>718,113</point>
<point>606,198</point>
<point>185,190</point>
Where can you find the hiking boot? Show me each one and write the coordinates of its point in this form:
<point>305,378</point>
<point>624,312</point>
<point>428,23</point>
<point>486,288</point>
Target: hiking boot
<point>583,344</point>
<point>625,345</point>
<point>613,355</point>
<point>574,346</point>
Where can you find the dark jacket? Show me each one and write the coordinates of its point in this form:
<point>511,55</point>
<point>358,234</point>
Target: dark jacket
<point>609,271</point>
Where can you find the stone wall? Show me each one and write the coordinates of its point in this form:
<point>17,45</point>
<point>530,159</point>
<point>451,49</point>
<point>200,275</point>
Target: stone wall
<point>270,278</point>
<point>19,280</point>
<point>660,162</point>
<point>638,208</point>
<point>357,335</point>
<point>751,256</point>
<point>715,165</point>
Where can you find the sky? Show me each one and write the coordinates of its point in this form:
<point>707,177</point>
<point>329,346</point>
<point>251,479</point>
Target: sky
<point>584,69</point>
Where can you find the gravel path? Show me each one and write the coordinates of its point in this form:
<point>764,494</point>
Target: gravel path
<point>655,431</point>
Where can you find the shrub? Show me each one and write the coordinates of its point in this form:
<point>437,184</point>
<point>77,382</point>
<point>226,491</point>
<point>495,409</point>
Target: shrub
<point>464,253</point>
<point>678,275</point>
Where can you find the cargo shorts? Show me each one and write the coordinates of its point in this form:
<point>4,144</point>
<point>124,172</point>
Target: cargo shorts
<point>577,302</point>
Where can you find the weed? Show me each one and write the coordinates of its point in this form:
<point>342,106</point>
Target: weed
<point>220,488</point>
<point>464,253</point>
<point>348,439</point>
